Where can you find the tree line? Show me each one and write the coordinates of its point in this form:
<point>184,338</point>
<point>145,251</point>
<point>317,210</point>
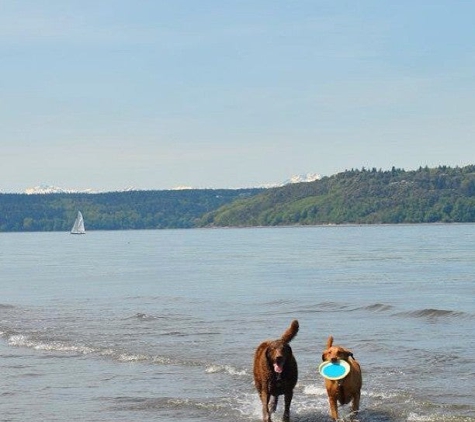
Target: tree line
<point>357,196</point>
<point>113,210</point>
<point>365,196</point>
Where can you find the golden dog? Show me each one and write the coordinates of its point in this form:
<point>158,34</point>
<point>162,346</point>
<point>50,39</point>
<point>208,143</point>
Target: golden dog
<point>346,389</point>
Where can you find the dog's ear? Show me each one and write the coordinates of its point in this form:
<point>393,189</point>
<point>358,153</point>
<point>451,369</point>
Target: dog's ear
<point>267,354</point>
<point>330,342</point>
<point>324,356</point>
<point>348,353</point>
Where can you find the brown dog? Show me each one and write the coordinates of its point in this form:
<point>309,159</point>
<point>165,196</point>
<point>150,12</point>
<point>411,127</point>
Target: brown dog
<point>346,389</point>
<point>275,372</point>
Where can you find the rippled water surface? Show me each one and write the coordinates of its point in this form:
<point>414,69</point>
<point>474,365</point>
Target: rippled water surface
<point>162,325</point>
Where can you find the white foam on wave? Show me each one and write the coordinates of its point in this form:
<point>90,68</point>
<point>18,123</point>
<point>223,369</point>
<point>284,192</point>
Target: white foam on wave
<point>314,390</point>
<point>248,405</point>
<point>382,395</point>
<point>20,340</point>
<point>122,356</point>
<point>125,357</point>
<point>312,402</point>
<point>214,369</point>
<point>414,417</point>
<point>162,360</point>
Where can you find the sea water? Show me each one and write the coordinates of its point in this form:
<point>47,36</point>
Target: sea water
<point>162,325</point>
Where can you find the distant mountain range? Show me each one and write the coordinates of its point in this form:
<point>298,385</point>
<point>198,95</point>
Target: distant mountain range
<point>302,178</point>
<point>47,189</point>
<point>366,196</point>
<point>44,189</point>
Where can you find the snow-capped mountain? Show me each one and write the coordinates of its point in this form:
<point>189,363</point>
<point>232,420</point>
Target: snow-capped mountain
<point>182,187</point>
<point>44,189</point>
<point>303,178</point>
<point>300,178</point>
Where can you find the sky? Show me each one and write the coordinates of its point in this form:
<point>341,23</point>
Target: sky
<point>151,94</point>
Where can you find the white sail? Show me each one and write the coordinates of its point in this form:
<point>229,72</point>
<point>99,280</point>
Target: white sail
<point>78,227</point>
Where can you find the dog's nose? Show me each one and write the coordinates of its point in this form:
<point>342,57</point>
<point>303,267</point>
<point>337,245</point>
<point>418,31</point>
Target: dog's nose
<point>334,360</point>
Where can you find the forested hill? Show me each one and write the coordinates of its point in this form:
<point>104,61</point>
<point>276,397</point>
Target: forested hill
<point>113,210</point>
<point>426,195</point>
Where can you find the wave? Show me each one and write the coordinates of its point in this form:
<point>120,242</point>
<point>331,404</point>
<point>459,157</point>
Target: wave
<point>333,306</point>
<point>70,348</point>
<point>432,313</point>
<point>378,307</point>
<point>145,317</point>
<point>20,340</point>
<point>426,313</point>
<point>175,333</point>
<point>323,307</point>
<point>180,408</point>
<point>314,390</point>
<point>214,369</point>
<point>74,349</point>
<point>417,417</point>
<point>330,306</point>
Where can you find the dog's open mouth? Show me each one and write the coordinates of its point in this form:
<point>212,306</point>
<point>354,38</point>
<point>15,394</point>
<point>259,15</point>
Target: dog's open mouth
<point>278,367</point>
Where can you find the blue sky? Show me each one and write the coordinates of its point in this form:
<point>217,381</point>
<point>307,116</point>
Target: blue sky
<point>226,94</point>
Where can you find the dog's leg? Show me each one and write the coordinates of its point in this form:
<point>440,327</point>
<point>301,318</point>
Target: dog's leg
<point>288,399</point>
<point>273,403</point>
<point>265,397</point>
<point>333,407</point>
<point>355,404</point>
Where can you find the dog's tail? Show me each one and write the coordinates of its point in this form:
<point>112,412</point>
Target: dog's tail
<point>330,342</point>
<point>291,332</point>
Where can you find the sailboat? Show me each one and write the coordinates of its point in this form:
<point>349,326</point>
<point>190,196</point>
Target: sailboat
<point>78,227</point>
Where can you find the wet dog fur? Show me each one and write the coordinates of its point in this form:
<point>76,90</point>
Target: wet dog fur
<point>347,389</point>
<point>275,372</point>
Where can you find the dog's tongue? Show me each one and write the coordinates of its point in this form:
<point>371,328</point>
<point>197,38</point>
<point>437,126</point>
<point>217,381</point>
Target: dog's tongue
<point>278,368</point>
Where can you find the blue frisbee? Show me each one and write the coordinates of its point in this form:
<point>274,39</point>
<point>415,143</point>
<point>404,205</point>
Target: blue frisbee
<point>334,370</point>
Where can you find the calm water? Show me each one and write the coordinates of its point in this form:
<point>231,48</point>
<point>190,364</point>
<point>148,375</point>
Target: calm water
<point>162,325</point>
